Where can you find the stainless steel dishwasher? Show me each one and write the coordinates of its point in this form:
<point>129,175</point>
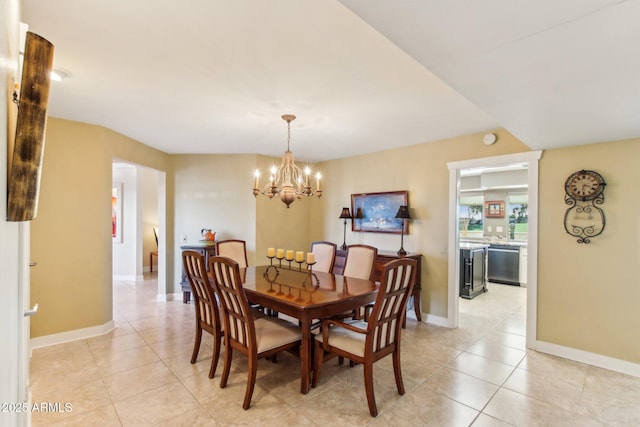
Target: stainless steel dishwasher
<point>503,264</point>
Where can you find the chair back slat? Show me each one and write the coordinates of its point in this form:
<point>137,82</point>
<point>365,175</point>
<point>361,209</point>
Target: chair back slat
<point>386,318</point>
<point>238,318</point>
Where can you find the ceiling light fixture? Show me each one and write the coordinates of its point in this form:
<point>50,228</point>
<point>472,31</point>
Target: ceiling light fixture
<point>295,180</point>
<point>58,74</point>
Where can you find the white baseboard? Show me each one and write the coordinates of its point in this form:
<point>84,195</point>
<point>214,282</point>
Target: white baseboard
<point>594,359</point>
<point>75,335</point>
<point>168,297</point>
<point>128,277</point>
<point>436,320</point>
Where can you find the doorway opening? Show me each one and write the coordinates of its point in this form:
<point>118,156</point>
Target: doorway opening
<point>139,224</point>
<point>529,161</point>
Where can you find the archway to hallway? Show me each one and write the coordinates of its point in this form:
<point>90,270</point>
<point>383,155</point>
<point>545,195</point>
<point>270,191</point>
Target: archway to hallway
<point>140,210</point>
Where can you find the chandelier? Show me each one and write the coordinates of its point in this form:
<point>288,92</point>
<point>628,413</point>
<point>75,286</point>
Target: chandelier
<point>292,179</point>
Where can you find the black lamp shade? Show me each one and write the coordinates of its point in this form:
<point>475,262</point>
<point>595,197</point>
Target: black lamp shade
<point>403,213</point>
<point>359,213</point>
<point>345,213</point>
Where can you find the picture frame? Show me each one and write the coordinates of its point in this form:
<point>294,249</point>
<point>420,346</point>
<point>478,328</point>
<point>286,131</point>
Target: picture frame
<point>116,212</point>
<point>375,212</point>
<point>494,209</point>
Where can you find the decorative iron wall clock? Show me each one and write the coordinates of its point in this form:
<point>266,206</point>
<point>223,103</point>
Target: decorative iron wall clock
<point>584,218</point>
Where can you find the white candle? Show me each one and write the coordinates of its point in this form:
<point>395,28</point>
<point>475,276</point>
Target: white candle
<point>318,176</point>
<point>271,252</point>
<point>299,256</point>
<point>307,172</point>
<point>289,255</point>
<point>311,258</point>
<point>273,176</point>
<point>257,174</point>
<point>280,254</point>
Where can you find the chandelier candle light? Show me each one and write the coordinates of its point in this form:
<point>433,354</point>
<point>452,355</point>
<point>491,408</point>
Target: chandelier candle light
<point>293,179</point>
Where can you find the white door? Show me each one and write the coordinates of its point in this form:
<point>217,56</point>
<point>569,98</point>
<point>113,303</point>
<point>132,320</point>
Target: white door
<point>24,296</point>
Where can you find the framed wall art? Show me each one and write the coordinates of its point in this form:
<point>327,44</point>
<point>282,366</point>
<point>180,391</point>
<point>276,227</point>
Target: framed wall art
<point>116,212</point>
<point>376,212</point>
<point>494,209</point>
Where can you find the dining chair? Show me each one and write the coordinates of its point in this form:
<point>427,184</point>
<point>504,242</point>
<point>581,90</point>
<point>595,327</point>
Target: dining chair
<point>207,312</point>
<point>234,249</point>
<point>325,253</point>
<point>237,251</point>
<point>368,342</point>
<point>255,338</point>
<point>359,261</point>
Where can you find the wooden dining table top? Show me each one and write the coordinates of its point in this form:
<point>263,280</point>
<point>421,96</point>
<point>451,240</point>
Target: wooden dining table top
<point>305,296</point>
<point>300,289</point>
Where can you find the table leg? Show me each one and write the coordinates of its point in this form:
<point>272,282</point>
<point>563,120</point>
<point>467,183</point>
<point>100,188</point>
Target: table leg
<point>305,355</point>
<point>416,304</point>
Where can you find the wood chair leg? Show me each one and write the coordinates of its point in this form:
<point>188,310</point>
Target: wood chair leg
<point>196,344</point>
<point>398,371</point>
<point>228,355</point>
<point>251,382</point>
<point>217,341</point>
<point>368,386</point>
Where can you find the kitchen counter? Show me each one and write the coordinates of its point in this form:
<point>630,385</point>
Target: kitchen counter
<point>481,243</point>
<point>473,245</point>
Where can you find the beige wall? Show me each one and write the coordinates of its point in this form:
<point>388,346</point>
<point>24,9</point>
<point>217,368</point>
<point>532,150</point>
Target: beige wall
<point>71,238</point>
<point>588,294</point>
<point>422,170</point>
<point>210,193</point>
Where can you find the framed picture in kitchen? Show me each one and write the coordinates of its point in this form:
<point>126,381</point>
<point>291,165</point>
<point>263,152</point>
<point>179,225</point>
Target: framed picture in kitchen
<point>494,209</point>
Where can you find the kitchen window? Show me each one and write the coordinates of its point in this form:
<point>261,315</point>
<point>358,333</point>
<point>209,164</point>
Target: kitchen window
<point>518,214</point>
<point>470,215</point>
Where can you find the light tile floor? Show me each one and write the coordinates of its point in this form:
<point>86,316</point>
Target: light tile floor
<point>479,374</point>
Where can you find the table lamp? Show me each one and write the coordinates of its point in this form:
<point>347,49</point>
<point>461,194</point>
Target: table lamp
<point>403,214</point>
<point>345,214</point>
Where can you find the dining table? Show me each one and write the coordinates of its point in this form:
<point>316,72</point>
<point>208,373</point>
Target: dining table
<point>307,296</point>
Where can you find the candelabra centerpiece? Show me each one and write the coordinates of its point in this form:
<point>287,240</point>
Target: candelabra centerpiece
<point>289,257</point>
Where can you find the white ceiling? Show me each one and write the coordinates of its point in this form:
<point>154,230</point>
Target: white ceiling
<point>214,76</point>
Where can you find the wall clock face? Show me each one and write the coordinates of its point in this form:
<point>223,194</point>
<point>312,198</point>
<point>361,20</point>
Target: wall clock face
<point>584,185</point>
